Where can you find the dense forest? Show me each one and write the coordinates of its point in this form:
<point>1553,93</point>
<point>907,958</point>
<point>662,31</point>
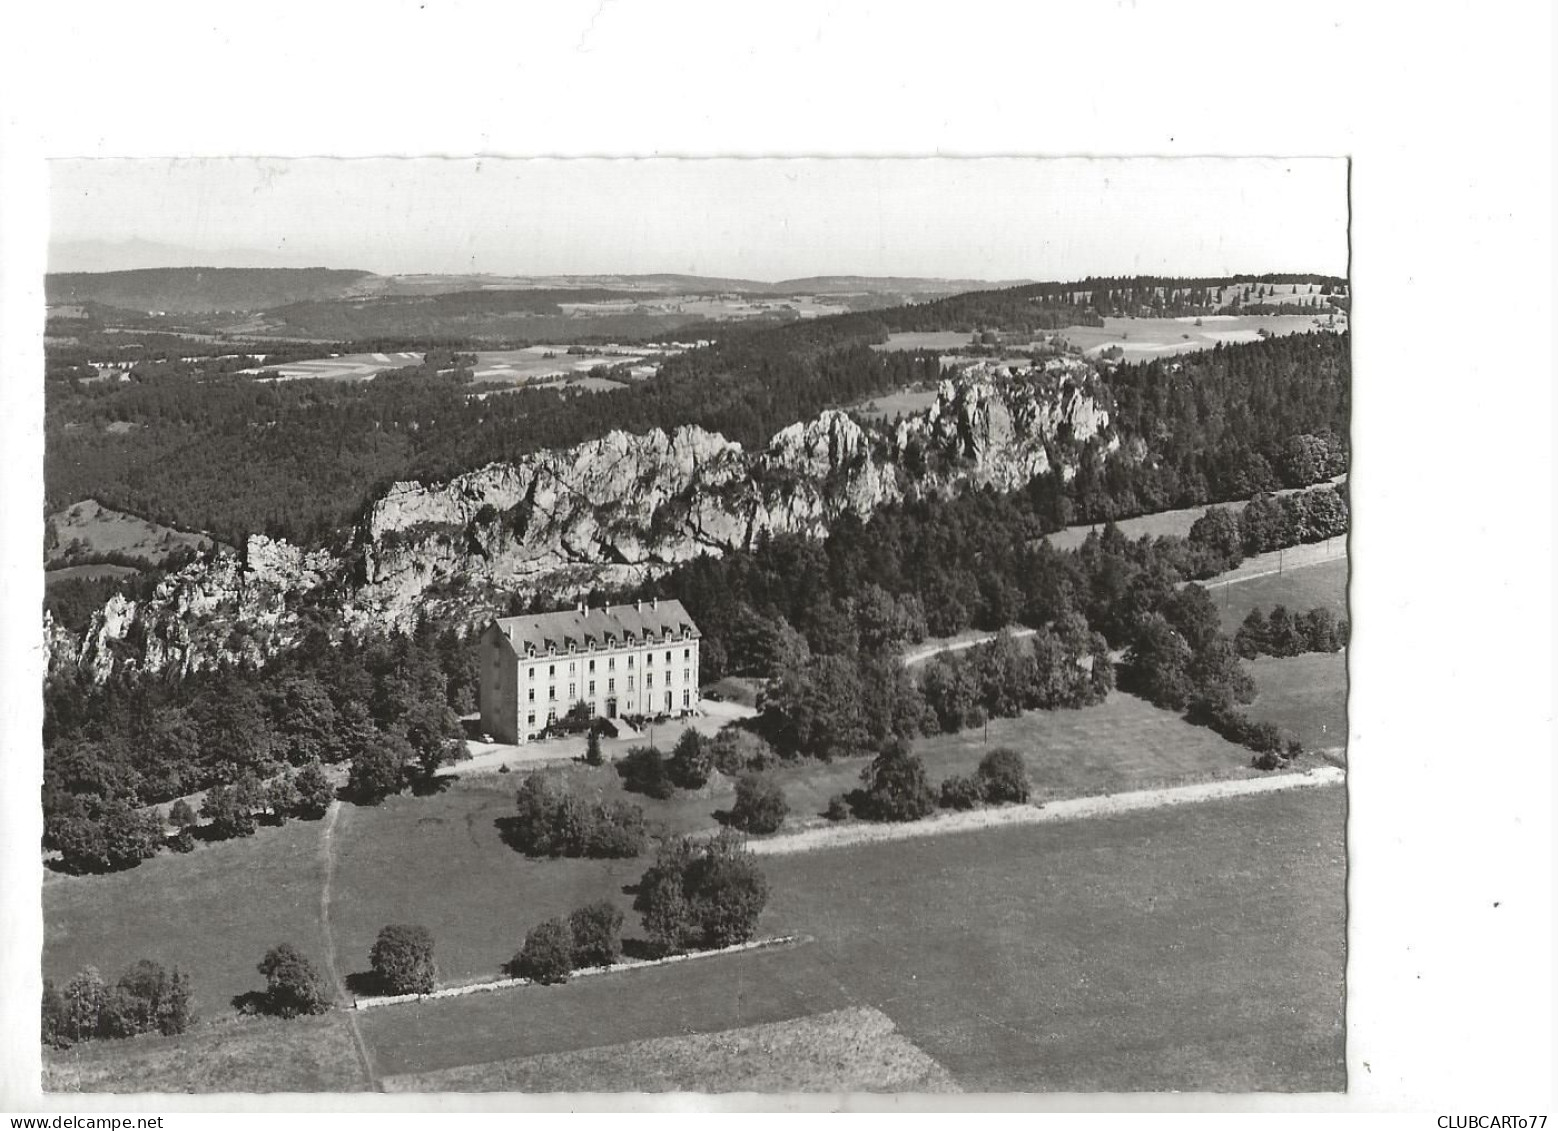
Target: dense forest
<point>196,445</point>
<point>823,620</point>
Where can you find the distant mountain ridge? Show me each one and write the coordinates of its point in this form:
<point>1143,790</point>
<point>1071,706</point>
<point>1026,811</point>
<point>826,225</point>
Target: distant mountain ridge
<point>199,290</point>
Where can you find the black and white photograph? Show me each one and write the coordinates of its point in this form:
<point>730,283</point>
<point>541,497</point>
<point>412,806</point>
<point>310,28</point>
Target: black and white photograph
<point>863,658</point>
<point>752,628</point>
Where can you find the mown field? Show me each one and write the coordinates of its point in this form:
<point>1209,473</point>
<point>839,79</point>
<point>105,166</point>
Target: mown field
<point>441,860</point>
<point>1143,339</point>
<point>1323,585</point>
<point>539,363</point>
<point>848,1050</point>
<point>1162,524</point>
<point>924,340</point>
<point>213,913</point>
<point>87,527</point>
<point>312,1054</point>
<point>904,402</point>
<point>1195,948</point>
<point>346,367</point>
<point>1305,696</point>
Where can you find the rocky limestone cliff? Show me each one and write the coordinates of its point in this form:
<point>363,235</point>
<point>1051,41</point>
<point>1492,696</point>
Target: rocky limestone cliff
<point>225,608</point>
<point>607,512</point>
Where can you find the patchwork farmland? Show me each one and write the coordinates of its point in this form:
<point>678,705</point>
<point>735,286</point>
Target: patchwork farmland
<point>344,367</point>
<point>542,364</point>
<point>1143,339</point>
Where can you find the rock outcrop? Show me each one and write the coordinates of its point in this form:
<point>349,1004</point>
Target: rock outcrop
<point>226,608</point>
<point>606,512</point>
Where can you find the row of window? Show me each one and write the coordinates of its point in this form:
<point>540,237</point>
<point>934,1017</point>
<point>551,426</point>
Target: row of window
<point>611,664</point>
<point>551,715</point>
<point>611,687</point>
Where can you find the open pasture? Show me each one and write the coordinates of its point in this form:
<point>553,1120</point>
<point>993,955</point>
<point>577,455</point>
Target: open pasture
<point>848,1050</point>
<point>1162,524</point>
<point>1144,339</point>
<point>441,859</point>
<point>88,528</point>
<point>345,367</point>
<point>543,363</point>
<point>1305,696</point>
<point>1190,947</point>
<point>1301,588</point>
<point>902,402</point>
<point>924,340</point>
<point>213,913</point>
<point>309,1054</point>
<point>1196,948</point>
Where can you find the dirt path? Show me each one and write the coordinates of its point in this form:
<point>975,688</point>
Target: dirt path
<point>1281,561</point>
<point>332,968</point>
<point>920,655</point>
<point>1075,808</point>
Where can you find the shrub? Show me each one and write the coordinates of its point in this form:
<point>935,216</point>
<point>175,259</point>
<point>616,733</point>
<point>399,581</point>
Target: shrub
<point>642,770</point>
<point>84,997</point>
<point>692,760</point>
<point>961,791</point>
<point>547,956</point>
<point>314,791</point>
<point>706,893</point>
<point>1003,776</point>
<point>145,999</point>
<point>379,770</point>
<point>402,959</point>
<point>281,797</point>
<point>230,809</point>
<point>737,750</point>
<point>292,985</point>
<point>553,822</point>
<point>760,806</point>
<point>597,934</point>
<point>592,752</point>
<point>615,832</point>
<point>181,815</point>
<point>183,841</point>
<point>895,787</point>
<point>117,837</point>
<point>53,1019</point>
<point>838,808</point>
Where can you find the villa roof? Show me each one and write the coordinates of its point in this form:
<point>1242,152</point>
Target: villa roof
<point>607,627</point>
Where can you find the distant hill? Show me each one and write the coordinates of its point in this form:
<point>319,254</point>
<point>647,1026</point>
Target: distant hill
<point>138,255</point>
<point>197,290</point>
<point>885,284</point>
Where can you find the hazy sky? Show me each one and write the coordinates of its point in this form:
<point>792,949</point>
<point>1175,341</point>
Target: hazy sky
<point>759,219</point>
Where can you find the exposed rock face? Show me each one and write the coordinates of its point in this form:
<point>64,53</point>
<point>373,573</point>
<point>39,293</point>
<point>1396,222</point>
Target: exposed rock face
<point>221,609</point>
<point>606,512</point>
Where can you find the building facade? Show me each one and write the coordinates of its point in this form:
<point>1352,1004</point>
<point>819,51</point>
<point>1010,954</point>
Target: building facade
<point>638,659</point>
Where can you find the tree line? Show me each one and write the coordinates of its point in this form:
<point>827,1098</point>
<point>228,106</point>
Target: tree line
<point>255,741</point>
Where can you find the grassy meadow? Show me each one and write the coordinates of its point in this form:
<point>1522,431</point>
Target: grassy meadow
<point>212,913</point>
<point>1050,931</point>
<point>1305,696</point>
<point>88,527</point>
<point>847,1050</point>
<point>310,1054</point>
<point>1196,947</point>
<point>441,860</point>
<point>1307,587</point>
